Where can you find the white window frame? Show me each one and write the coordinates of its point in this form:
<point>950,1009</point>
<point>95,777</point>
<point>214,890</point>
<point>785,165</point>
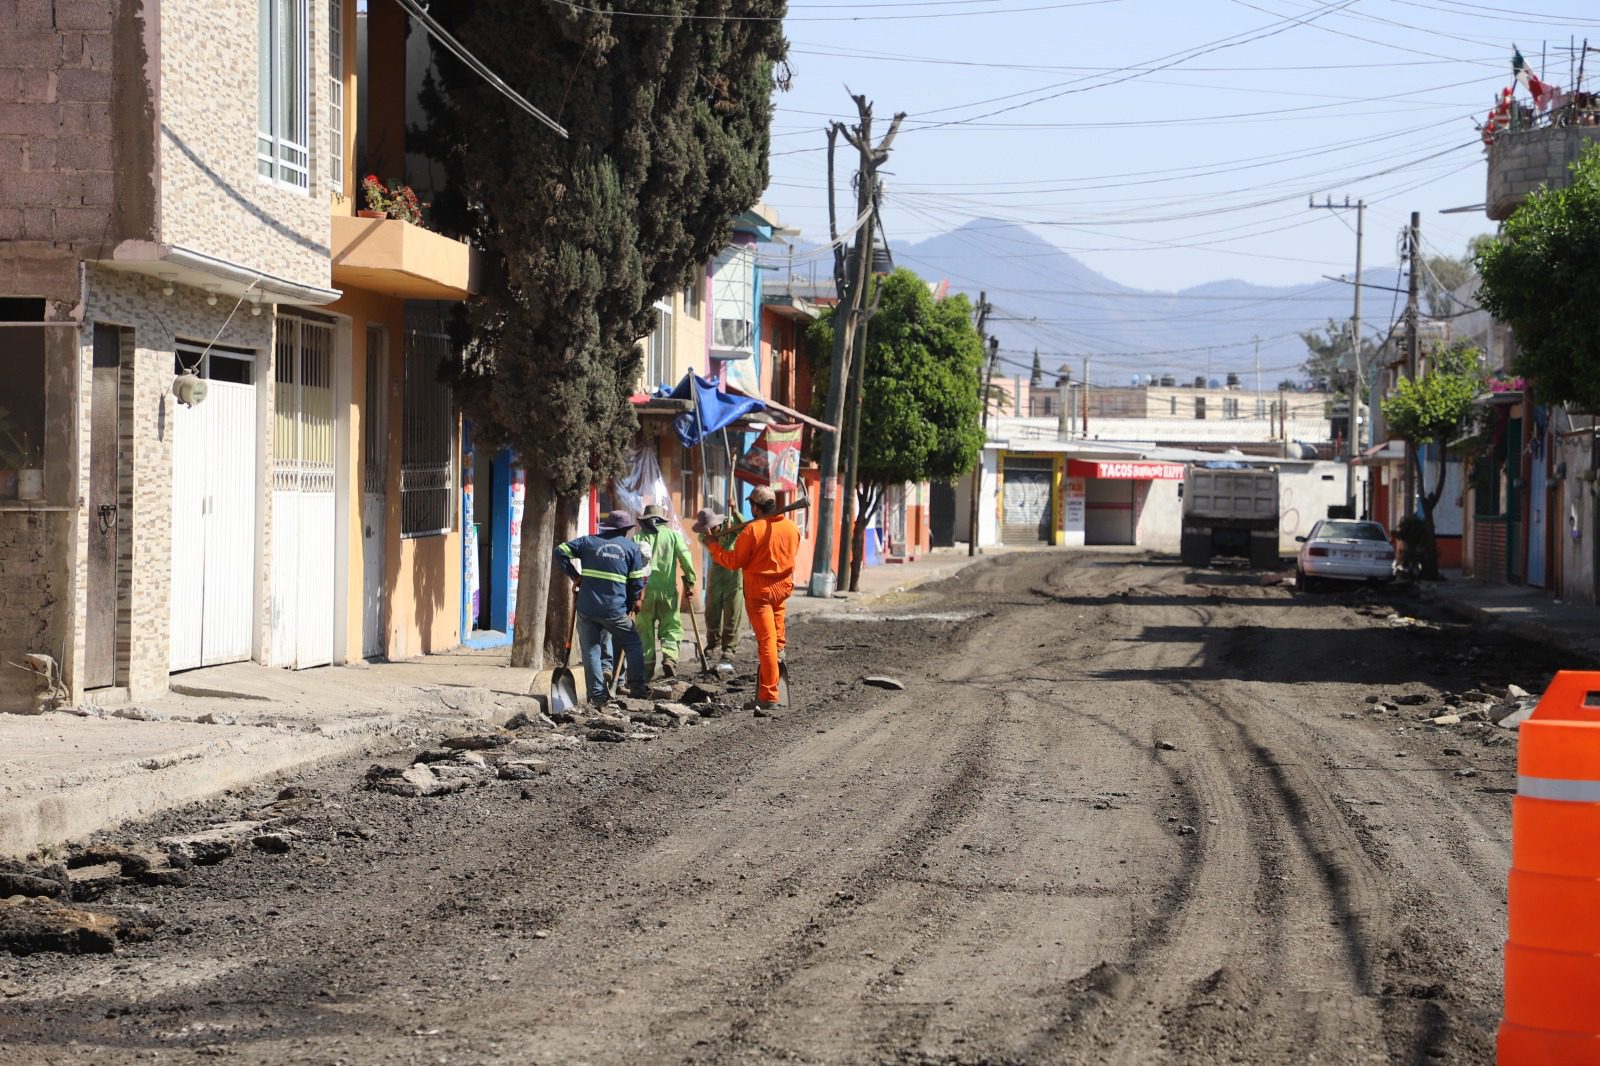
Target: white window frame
<point>658,349</point>
<point>281,159</point>
<point>336,96</point>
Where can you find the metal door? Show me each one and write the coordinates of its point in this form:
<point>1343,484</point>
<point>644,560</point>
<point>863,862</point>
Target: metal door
<point>213,513</point>
<point>1538,500</point>
<point>374,502</point>
<point>105,510</point>
<point>1026,501</point>
<point>303,524</point>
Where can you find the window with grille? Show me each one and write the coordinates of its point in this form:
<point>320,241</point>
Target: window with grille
<point>1200,407</point>
<point>283,103</point>
<point>427,456</point>
<point>694,297</point>
<point>1230,408</point>
<point>658,349</point>
<point>336,95</point>
<point>733,295</point>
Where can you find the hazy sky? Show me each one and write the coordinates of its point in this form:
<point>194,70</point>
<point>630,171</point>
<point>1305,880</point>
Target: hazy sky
<point>1168,143</point>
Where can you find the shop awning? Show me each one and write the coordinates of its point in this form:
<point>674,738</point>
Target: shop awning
<point>790,411</point>
<point>713,410</point>
<point>1390,451</point>
<point>1120,470</point>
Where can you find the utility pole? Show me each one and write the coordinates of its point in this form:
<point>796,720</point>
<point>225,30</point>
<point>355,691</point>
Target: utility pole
<point>850,277</point>
<point>1413,246</point>
<point>1085,397</point>
<point>1258,366</point>
<point>853,404</point>
<point>985,382</point>
<point>1352,433</point>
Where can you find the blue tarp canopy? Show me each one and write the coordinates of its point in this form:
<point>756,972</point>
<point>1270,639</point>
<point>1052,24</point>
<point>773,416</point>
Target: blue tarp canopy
<point>713,410</point>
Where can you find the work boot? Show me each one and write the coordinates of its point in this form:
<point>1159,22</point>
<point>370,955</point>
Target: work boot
<point>669,668</point>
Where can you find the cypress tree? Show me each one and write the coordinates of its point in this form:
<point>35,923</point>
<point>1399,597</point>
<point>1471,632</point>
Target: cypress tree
<point>668,108</point>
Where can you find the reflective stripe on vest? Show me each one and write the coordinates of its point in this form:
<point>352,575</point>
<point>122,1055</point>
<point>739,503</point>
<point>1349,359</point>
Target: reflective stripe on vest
<point>605,575</point>
<point>1558,788</point>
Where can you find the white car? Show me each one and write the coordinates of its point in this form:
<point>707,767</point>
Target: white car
<point>1344,550</point>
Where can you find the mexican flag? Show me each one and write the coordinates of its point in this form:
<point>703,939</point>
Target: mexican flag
<point>1543,93</point>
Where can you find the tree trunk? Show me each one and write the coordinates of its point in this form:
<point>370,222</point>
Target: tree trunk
<point>867,505</point>
<point>534,567</point>
<point>1429,561</point>
<point>560,605</point>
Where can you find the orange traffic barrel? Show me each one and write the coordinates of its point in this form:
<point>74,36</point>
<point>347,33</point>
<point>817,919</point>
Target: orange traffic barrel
<point>1552,987</point>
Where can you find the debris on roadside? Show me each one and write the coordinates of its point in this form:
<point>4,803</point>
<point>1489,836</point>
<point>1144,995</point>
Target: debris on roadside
<point>32,924</point>
<point>892,683</point>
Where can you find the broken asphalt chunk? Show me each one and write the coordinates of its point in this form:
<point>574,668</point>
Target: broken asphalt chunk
<point>892,683</point>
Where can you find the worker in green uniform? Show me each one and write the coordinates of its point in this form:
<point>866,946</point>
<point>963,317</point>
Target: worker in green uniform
<point>659,621</point>
<point>724,588</point>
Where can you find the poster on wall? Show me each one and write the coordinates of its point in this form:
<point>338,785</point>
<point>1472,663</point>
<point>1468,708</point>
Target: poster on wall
<point>774,459</point>
<point>519,491</point>
<point>1077,492</point>
<point>469,543</point>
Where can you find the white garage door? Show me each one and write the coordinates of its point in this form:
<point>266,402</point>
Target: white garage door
<point>214,512</point>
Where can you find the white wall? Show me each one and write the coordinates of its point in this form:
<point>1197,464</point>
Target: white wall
<point>1161,519</point>
<point>988,533</point>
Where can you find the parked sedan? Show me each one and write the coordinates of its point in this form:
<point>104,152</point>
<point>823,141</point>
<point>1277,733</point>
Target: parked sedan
<point>1343,550</point>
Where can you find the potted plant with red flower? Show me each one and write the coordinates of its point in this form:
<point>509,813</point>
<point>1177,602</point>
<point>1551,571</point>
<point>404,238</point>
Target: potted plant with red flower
<point>395,200</point>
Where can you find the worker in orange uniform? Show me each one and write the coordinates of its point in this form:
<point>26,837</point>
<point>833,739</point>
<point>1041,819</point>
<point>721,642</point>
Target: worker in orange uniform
<point>764,551</point>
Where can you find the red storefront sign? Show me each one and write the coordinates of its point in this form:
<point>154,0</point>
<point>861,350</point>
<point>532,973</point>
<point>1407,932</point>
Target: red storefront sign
<point>1120,471</point>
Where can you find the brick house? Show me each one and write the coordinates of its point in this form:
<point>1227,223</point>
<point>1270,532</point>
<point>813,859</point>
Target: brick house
<point>177,210</point>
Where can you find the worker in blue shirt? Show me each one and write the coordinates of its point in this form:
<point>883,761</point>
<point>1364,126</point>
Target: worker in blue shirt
<point>609,571</point>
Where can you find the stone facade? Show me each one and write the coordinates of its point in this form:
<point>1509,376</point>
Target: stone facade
<point>1521,161</point>
<point>155,323</point>
<point>212,198</point>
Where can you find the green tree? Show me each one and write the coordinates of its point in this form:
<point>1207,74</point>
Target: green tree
<point>920,404</point>
<point>1446,274</point>
<point>1329,365</point>
<point>1541,277</point>
<point>1435,409</point>
<point>668,120</point>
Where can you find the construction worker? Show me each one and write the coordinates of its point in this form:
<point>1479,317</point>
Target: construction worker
<point>764,551</point>
<point>724,588</point>
<point>609,571</point>
<point>659,621</point>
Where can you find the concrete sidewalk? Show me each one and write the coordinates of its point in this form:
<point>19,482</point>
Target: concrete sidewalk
<point>66,775</point>
<point>1530,613</point>
<point>881,584</point>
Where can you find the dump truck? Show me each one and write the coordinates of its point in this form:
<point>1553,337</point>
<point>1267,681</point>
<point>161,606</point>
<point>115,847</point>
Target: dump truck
<point>1230,508</point>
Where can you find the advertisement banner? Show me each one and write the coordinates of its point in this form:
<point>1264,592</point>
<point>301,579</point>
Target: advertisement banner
<point>774,459</point>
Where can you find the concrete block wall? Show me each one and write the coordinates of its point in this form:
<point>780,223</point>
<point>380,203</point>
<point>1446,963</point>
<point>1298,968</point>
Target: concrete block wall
<point>76,124</point>
<point>157,322</point>
<point>212,198</point>
<point>1520,161</point>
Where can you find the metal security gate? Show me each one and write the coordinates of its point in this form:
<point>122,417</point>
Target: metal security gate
<point>213,512</point>
<point>303,524</point>
<point>1026,501</point>
<point>374,502</point>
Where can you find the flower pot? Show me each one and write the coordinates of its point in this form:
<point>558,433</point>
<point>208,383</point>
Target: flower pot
<point>30,484</point>
<point>364,213</point>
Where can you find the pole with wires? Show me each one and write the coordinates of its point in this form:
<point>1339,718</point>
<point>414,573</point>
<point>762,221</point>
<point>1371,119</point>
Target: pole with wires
<point>985,384</point>
<point>850,276</point>
<point>1352,432</point>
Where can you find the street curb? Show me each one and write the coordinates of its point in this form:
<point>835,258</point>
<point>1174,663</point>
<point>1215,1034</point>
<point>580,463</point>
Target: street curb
<point>1534,632</point>
<point>73,806</point>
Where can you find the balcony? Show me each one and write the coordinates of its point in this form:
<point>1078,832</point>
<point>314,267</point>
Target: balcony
<point>1536,151</point>
<point>395,258</point>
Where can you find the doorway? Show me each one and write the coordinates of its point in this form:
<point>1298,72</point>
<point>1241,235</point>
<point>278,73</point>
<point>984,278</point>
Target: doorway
<point>213,510</point>
<point>374,493</point>
<point>106,591</point>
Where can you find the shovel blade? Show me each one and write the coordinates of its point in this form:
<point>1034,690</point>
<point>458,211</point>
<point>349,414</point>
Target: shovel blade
<point>563,691</point>
<point>783,684</point>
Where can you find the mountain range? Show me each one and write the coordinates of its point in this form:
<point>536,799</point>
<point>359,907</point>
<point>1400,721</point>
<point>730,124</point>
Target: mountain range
<point>1045,299</point>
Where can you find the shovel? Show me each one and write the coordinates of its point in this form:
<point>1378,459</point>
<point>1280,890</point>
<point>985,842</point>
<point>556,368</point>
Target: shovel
<point>699,645</point>
<point>783,683</point>
<point>563,689</point>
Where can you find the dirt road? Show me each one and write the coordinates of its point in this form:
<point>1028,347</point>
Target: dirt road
<point>1123,812</point>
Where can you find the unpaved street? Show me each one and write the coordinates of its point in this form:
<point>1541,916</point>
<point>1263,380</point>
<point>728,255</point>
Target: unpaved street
<point>1122,812</point>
